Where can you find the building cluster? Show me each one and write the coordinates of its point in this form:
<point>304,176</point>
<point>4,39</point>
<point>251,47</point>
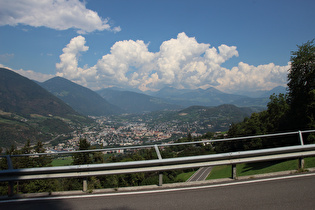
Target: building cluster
<point>108,133</point>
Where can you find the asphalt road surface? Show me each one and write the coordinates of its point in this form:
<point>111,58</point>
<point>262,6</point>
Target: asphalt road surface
<point>290,192</point>
<point>200,175</point>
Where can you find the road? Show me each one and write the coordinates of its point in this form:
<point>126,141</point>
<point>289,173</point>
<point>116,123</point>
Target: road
<point>201,174</point>
<point>290,192</point>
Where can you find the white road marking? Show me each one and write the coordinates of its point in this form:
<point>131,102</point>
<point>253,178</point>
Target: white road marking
<point>204,170</point>
<point>160,191</point>
<point>195,174</point>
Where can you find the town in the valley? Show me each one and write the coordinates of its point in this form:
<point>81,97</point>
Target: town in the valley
<point>109,132</point>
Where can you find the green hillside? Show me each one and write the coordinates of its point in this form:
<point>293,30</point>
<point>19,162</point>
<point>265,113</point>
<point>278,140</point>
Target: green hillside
<point>23,96</point>
<point>206,119</point>
<point>29,112</point>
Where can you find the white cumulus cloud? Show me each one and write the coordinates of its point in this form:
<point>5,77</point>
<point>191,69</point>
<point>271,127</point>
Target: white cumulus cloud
<point>128,62</point>
<point>181,62</point>
<point>68,66</point>
<point>55,14</point>
<point>40,77</point>
<point>245,77</point>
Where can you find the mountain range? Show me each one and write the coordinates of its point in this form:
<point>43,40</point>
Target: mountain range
<point>169,98</point>
<point>40,111</point>
<point>23,96</point>
<point>111,101</point>
<point>81,99</point>
<point>29,112</point>
<point>202,97</point>
<point>133,102</point>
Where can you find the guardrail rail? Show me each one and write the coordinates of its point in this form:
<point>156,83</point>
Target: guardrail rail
<point>161,164</point>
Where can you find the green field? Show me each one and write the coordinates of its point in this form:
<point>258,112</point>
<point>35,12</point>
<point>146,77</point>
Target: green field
<point>62,161</point>
<point>249,169</point>
<point>184,176</point>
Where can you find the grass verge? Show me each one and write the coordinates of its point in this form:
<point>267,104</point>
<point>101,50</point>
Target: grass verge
<point>248,169</point>
<point>183,177</point>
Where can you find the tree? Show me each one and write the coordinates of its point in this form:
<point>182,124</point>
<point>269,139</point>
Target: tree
<point>293,111</point>
<point>97,157</point>
<point>26,162</point>
<point>189,137</point>
<point>82,158</point>
<point>41,160</point>
<point>301,84</point>
<point>277,112</point>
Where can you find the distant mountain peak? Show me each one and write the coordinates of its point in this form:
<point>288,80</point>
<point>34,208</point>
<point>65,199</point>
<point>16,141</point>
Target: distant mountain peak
<point>82,99</point>
<point>22,95</point>
<point>134,102</point>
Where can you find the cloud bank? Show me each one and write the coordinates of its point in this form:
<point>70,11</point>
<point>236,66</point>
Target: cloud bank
<point>180,63</point>
<point>55,14</point>
<point>31,74</point>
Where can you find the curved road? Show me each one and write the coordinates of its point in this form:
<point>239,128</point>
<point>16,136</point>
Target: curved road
<point>290,192</point>
<point>201,174</point>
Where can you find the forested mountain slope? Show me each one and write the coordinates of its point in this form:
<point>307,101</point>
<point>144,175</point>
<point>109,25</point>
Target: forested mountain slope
<point>81,99</point>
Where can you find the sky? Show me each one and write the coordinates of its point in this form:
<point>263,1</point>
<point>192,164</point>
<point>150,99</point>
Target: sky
<point>234,46</point>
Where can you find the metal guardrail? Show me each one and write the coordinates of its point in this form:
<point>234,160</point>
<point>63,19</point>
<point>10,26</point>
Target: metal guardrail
<point>299,133</point>
<point>160,164</point>
<point>156,165</point>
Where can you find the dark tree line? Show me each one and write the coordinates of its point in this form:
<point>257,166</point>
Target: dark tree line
<point>301,97</point>
<point>291,112</point>
<point>110,181</point>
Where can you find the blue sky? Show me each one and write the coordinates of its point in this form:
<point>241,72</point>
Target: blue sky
<point>234,46</point>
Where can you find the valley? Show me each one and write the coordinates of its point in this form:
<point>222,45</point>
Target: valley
<point>152,128</point>
<point>59,112</point>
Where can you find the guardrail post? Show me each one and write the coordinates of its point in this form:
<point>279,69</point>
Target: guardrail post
<point>301,160</point>
<point>160,178</point>
<point>301,164</point>
<point>234,176</point>
<point>157,152</point>
<point>11,183</point>
<point>301,138</point>
<point>160,158</point>
<point>85,184</point>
